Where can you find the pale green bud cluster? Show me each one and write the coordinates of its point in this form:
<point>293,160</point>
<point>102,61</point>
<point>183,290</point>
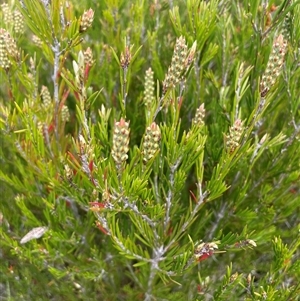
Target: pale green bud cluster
<point>88,57</point>
<point>199,116</point>
<point>149,89</point>
<point>12,17</point>
<point>4,59</point>
<point>120,146</point>
<point>46,97</point>
<point>287,26</point>
<point>178,64</point>
<point>37,41</point>
<point>18,22</point>
<point>8,49</point>
<point>65,115</point>
<point>86,20</point>
<point>151,141</point>
<point>234,136</point>
<point>8,17</point>
<point>274,65</point>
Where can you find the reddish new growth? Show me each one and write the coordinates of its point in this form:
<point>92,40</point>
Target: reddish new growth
<point>96,206</point>
<point>100,227</point>
<point>204,251</point>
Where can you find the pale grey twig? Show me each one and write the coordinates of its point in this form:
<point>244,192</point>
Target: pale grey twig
<point>57,53</point>
<point>157,256</point>
<point>135,209</point>
<point>170,192</point>
<point>219,216</point>
<point>200,201</point>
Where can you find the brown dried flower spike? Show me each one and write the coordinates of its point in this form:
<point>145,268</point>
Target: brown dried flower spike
<point>120,142</point>
<point>125,58</point>
<point>86,20</point>
<point>274,65</point>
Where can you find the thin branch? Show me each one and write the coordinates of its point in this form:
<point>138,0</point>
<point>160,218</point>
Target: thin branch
<point>133,275</point>
<point>156,258</point>
<point>156,190</point>
<point>170,192</point>
<point>128,252</point>
<point>200,201</point>
<point>103,222</point>
<point>124,84</point>
<point>219,216</point>
<point>57,53</point>
<point>159,107</point>
<point>274,23</point>
<point>135,209</point>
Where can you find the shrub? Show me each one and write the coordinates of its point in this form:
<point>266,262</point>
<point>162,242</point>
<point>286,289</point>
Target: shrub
<point>150,150</point>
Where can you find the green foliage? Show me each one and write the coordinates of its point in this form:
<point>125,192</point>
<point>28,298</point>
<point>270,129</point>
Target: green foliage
<point>211,212</point>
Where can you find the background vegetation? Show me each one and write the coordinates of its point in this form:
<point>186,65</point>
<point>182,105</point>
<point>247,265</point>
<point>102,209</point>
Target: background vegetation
<point>150,150</point>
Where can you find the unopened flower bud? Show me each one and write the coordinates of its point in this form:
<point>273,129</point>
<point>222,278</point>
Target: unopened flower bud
<point>68,172</point>
<point>65,115</point>
<point>234,136</point>
<point>37,41</point>
<point>287,26</point>
<point>78,68</point>
<point>88,57</point>
<point>151,141</point>
<point>149,89</point>
<point>178,65</point>
<point>46,97</point>
<point>120,141</point>
<point>263,139</point>
<point>199,116</point>
<point>18,22</point>
<point>32,64</point>
<point>233,277</point>
<point>86,20</point>
<point>4,59</point>
<point>251,243</point>
<point>7,14</point>
<point>8,48</point>
<point>191,55</point>
<point>274,65</point>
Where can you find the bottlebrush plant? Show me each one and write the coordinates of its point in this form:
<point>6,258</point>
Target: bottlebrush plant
<point>150,150</point>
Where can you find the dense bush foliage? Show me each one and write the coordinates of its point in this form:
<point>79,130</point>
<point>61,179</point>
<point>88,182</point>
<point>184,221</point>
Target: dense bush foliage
<point>150,150</point>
